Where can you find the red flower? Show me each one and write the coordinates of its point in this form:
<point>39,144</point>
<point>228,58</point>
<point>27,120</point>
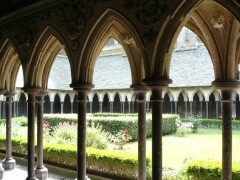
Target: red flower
<point>46,124</point>
<point>125,131</point>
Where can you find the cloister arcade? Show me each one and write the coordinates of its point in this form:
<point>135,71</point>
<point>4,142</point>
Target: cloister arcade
<point>176,101</point>
<point>31,35</point>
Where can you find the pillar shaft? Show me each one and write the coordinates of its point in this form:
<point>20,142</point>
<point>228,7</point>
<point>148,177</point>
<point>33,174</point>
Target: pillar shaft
<point>81,145</point>
<point>186,110</point>
<point>71,107</point>
<point>31,132</point>
<point>9,163</point>
<point>90,107</point>
<point>227,103</point>
<point>157,109</point>
<point>191,107</point>
<point>61,107</point>
<point>51,103</point>
<point>206,110</point>
<point>141,135</point>
<point>40,171</point>
<point>129,107</point>
<point>175,103</point>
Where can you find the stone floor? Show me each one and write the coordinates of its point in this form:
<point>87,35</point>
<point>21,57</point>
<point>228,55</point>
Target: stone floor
<point>54,173</point>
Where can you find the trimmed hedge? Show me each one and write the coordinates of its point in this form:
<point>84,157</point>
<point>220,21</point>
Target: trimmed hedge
<point>210,170</point>
<point>22,120</point>
<point>109,163</point>
<point>215,124</point>
<point>114,124</point>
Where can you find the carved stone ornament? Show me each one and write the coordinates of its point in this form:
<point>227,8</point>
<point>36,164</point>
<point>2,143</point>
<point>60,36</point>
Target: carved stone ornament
<point>148,11</point>
<point>24,39</point>
<point>150,35</point>
<point>218,20</point>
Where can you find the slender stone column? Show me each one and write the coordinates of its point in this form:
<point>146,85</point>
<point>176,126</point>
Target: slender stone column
<point>61,107</point>
<point>227,88</point>
<point>90,107</point>
<point>175,103</point>
<point>206,109</point>
<point>100,107</point>
<point>1,169</point>
<point>147,107</point>
<point>9,163</point>
<point>82,91</point>
<point>71,107</point>
<point>201,109</point>
<point>141,93</point>
<point>111,107</point>
<point>191,104</point>
<point>216,109</point>
<point>129,107</point>
<point>41,171</point>
<point>185,114</point>
<point>51,103</point>
<point>171,107</point>
<point>0,108</point>
<point>31,131</point>
<point>122,107</point>
<point>133,107</point>
<point>157,88</point>
<point>17,108</point>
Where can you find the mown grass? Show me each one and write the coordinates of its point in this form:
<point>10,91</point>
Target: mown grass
<point>206,144</point>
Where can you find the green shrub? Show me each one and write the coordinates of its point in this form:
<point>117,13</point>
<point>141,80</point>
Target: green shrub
<point>114,164</point>
<point>210,170</point>
<point>114,123</point>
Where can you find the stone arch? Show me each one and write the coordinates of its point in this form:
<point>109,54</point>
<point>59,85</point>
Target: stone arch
<point>113,25</point>
<point>184,15</point>
<point>10,64</point>
<point>49,43</point>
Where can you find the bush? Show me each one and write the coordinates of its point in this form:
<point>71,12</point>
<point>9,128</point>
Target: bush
<point>210,170</point>
<point>114,164</point>
<point>215,124</point>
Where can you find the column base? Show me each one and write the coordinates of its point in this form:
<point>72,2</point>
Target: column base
<point>1,172</point>
<point>85,178</point>
<point>8,164</point>
<point>41,173</point>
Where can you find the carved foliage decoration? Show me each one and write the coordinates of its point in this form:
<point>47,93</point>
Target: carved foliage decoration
<point>24,39</point>
<point>218,20</point>
<point>148,11</point>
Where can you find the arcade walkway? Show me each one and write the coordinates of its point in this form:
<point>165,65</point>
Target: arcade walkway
<point>54,173</point>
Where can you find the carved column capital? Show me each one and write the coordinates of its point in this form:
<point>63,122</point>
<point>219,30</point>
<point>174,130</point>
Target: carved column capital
<point>157,84</point>
<point>87,87</point>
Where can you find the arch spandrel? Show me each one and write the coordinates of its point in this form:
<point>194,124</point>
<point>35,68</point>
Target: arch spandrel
<point>112,25</point>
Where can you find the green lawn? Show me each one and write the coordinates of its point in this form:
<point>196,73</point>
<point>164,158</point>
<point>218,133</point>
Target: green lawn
<point>206,144</point>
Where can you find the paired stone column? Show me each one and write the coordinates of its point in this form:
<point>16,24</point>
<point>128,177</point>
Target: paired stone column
<point>141,94</point>
<point>32,92</point>
<point>133,107</point>
<point>157,88</point>
<point>41,171</point>
<point>227,88</point>
<point>216,109</point>
<point>82,91</point>
<point>9,163</point>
